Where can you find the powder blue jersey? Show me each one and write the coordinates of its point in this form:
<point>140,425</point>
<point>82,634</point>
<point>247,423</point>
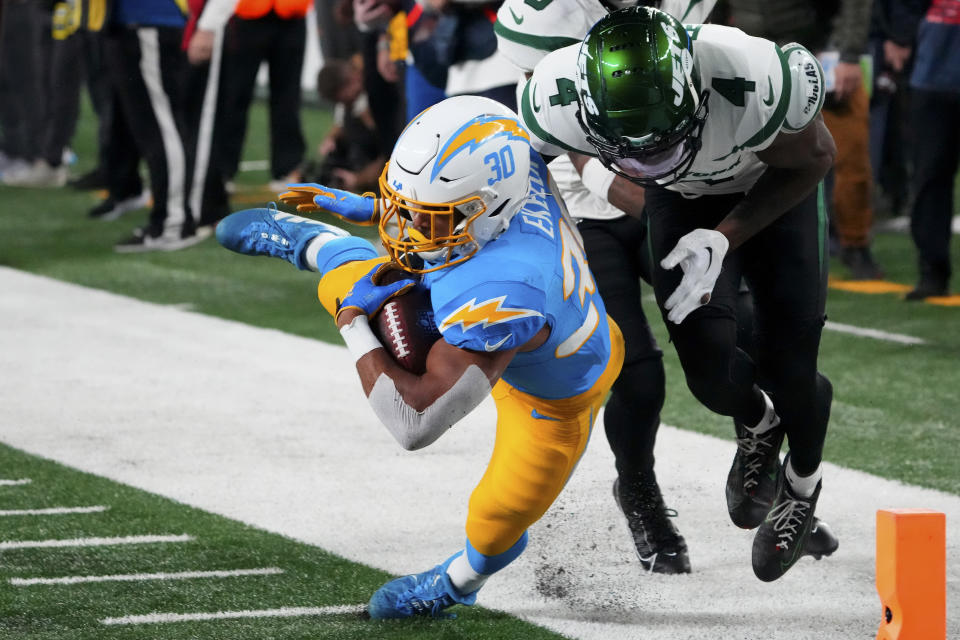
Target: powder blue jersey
<point>534,274</point>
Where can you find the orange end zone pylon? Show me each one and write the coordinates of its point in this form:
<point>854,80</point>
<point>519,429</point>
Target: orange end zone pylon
<point>912,574</point>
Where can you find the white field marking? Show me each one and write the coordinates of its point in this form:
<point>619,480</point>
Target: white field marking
<point>11,483</point>
<point>52,511</point>
<point>850,329</point>
<point>873,333</point>
<point>254,165</point>
<point>901,224</point>
<point>283,612</point>
<point>138,577</point>
<point>91,542</point>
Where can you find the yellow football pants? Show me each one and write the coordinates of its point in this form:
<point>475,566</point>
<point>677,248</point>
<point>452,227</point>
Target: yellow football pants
<point>533,457</point>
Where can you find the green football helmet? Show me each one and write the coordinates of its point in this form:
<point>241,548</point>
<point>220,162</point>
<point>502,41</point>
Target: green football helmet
<point>641,104</point>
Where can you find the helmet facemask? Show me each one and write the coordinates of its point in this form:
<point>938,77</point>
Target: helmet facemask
<point>451,237</point>
<point>458,174</point>
<point>662,160</point>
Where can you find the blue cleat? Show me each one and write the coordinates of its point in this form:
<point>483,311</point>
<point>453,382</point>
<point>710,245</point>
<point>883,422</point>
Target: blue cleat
<point>424,594</point>
<point>269,232</point>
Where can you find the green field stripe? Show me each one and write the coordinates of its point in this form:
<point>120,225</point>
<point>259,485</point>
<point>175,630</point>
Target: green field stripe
<point>283,612</point>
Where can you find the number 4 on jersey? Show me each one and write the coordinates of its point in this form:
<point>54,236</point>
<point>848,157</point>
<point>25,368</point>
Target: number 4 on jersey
<point>566,93</point>
<point>733,89</point>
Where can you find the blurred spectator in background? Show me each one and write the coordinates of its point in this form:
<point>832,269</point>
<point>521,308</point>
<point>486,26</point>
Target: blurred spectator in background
<point>275,32</point>
<point>339,36</point>
<point>147,68</point>
<point>39,91</point>
<point>891,35</point>
<point>90,40</point>
<point>935,104</point>
<point>351,156</point>
<point>453,50</point>
<point>381,75</point>
<point>121,169</point>
<point>203,40</point>
<point>837,32</point>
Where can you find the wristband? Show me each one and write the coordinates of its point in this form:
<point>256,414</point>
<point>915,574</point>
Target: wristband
<point>596,178</point>
<point>359,337</point>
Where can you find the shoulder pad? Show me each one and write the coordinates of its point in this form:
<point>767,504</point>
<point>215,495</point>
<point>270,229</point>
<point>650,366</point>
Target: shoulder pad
<point>491,317</point>
<point>548,105</point>
<point>806,87</point>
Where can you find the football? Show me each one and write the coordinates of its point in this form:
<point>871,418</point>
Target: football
<point>407,329</point>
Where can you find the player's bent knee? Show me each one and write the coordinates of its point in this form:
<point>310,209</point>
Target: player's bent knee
<point>337,280</point>
<point>340,251</point>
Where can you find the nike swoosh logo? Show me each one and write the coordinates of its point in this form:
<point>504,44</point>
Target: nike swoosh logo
<point>533,99</point>
<point>516,18</point>
<point>539,416</point>
<point>493,347</point>
<point>769,99</point>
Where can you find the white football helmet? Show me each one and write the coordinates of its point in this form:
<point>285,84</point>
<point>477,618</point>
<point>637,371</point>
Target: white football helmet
<point>467,158</point>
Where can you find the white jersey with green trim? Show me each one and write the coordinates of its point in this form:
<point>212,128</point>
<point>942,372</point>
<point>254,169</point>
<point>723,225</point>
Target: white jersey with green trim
<point>527,30</point>
<point>756,90</point>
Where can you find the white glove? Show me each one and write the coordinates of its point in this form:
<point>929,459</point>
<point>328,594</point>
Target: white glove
<point>700,254</point>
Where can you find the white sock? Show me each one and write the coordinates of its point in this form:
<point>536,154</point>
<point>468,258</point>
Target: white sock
<point>770,418</point>
<point>803,486</point>
<point>463,576</point>
<point>313,248</point>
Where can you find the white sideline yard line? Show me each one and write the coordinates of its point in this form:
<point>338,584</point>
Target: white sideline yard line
<point>14,483</point>
<point>873,333</point>
<point>283,612</point>
<point>52,511</point>
<point>91,542</point>
<point>138,577</point>
<point>254,165</point>
<point>854,330</point>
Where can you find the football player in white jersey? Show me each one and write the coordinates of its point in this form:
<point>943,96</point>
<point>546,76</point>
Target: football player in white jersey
<point>526,32</point>
<point>724,131</point>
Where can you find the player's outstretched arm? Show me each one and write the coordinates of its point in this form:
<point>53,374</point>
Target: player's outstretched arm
<point>362,209</point>
<point>796,163</point>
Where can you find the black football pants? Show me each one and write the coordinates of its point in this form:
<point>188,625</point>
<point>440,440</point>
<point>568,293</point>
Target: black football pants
<point>632,414</point>
<point>785,266</point>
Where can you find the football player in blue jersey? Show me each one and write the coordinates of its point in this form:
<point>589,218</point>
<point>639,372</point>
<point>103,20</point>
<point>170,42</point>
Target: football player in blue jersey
<point>465,203</point>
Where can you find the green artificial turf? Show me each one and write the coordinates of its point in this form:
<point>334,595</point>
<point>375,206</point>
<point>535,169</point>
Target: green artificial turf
<point>310,576</point>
